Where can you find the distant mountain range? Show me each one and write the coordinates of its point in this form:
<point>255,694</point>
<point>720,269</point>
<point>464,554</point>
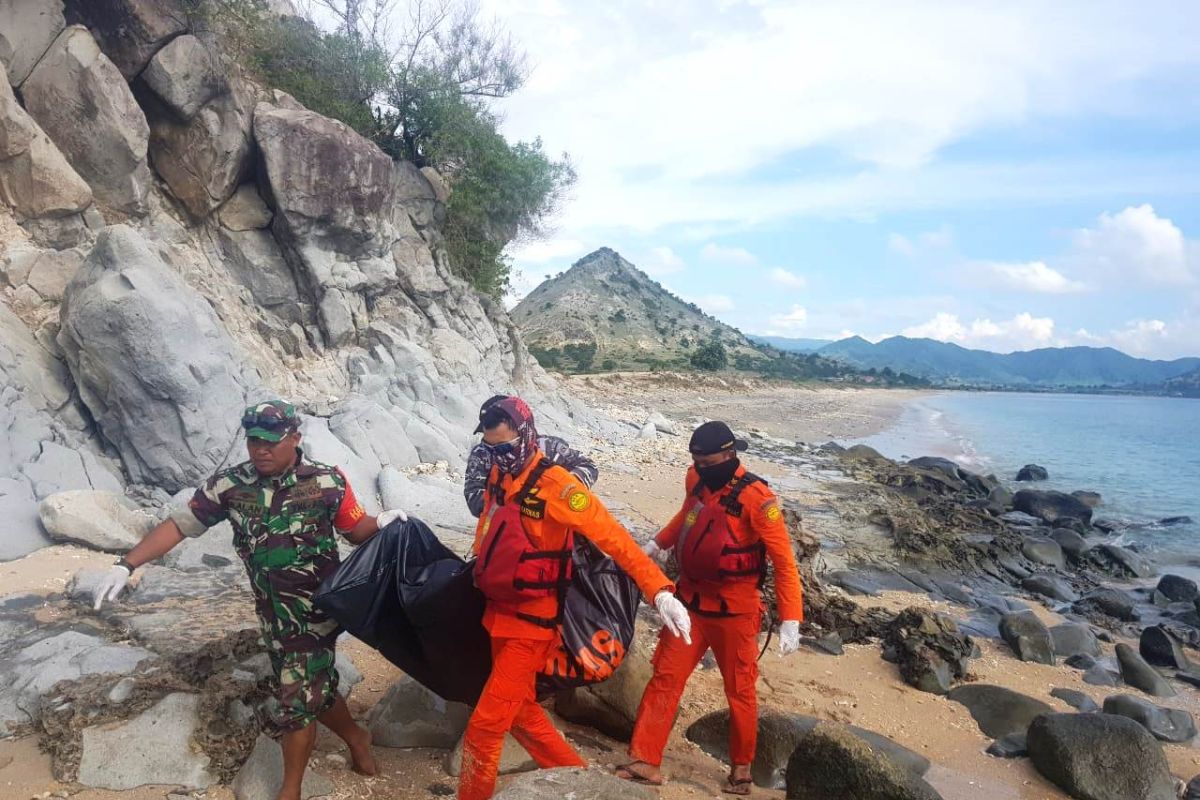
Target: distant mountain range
<point>1051,367</point>
<point>791,345</point>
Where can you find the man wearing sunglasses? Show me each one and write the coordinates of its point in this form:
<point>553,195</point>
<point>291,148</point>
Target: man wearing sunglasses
<point>524,542</point>
<point>556,450</point>
<point>286,511</point>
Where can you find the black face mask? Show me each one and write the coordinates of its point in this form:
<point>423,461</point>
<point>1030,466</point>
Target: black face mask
<point>718,475</point>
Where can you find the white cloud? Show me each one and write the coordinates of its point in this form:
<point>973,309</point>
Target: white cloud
<point>539,252</point>
<point>711,303</point>
<point>1033,276</point>
<point>791,280</point>
<point>901,244</point>
<point>1024,331</point>
<point>662,261</point>
<point>728,255</point>
<point>790,323</point>
<point>1134,246</point>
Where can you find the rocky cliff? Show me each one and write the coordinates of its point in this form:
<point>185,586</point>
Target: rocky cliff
<point>177,241</point>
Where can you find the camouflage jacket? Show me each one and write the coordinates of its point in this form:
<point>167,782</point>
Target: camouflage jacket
<point>284,530</point>
<point>479,464</point>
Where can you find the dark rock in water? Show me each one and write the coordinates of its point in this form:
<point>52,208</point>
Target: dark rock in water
<point>1032,472</point>
<point>1050,586</point>
<point>1020,519</point>
<point>1180,520</point>
<point>1107,525</point>
<point>1161,649</point>
<point>1140,675</point>
<point>1074,638</point>
<point>778,736</point>
<point>1178,589</point>
<point>1076,699</point>
<point>1090,499</point>
<point>1050,506</point>
<point>1072,544</point>
<point>1099,675</point>
<point>929,649</point>
<point>1081,661</point>
<point>1165,724</point>
<point>1041,550</point>
<point>1072,524</point>
<point>1112,602</point>
<point>1028,637</point>
<point>997,710</point>
<point>1014,745</point>
<point>1120,561</point>
<point>832,763</point>
<point>1100,757</point>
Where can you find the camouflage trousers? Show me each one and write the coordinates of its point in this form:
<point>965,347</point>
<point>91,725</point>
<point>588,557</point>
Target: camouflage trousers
<point>306,687</point>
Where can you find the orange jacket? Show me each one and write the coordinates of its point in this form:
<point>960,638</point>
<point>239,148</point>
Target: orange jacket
<point>761,520</point>
<point>569,506</point>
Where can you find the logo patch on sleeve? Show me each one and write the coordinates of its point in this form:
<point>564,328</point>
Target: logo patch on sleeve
<point>773,513</point>
<point>579,502</point>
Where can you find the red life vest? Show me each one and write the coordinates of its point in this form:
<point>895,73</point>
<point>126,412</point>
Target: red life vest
<point>510,568</point>
<point>707,550</point>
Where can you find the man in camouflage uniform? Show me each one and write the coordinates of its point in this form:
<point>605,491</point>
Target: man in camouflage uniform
<point>285,511</point>
<point>556,451</point>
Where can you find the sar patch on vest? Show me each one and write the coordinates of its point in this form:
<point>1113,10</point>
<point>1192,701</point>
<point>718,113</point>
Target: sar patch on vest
<point>533,506</point>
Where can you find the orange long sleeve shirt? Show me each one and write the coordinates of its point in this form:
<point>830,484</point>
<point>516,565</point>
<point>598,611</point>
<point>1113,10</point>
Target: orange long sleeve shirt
<point>561,503</point>
<point>760,520</point>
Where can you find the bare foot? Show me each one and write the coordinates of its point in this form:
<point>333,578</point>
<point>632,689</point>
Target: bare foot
<point>362,760</point>
<point>641,772</point>
<point>288,794</point>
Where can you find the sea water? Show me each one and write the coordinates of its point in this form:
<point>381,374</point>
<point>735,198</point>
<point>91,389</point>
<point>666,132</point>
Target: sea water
<point>1142,454</point>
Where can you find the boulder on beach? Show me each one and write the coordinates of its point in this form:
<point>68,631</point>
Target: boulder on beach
<point>1044,551</point>
<point>1111,602</point>
<point>1028,637</point>
<point>410,715</point>
<point>578,783</point>
<point>1166,724</point>
<point>928,648</point>
<point>1050,586</point>
<point>1032,472</point>
<point>1091,499</point>
<point>1100,675</point>
<point>1074,638</point>
<point>1072,543</point>
<point>1140,675</point>
<point>100,520</point>
<point>262,775</point>
<point>1161,648</point>
<point>1177,588</point>
<point>1100,757</point>
<point>1076,699</point>
<point>832,763</point>
<point>1014,745</point>
<point>999,711</point>
<point>1120,561</point>
<point>1050,506</point>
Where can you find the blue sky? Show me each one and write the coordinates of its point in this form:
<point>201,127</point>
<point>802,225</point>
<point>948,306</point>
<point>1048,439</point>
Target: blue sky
<point>1003,175</point>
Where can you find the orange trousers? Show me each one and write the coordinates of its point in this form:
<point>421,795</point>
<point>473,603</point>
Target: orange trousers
<point>509,704</point>
<point>734,642</point>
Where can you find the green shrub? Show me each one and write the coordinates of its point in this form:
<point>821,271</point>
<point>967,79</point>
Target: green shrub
<point>710,356</point>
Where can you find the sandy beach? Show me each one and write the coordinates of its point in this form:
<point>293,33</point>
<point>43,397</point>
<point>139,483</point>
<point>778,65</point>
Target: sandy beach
<point>643,483</point>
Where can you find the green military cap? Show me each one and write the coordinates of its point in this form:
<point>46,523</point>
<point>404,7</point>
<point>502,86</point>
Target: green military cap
<point>271,420</point>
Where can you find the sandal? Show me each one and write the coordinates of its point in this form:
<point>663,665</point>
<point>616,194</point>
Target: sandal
<point>625,772</point>
<point>738,786</point>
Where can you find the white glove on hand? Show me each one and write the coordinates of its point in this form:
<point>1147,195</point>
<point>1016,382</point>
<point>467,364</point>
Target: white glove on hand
<point>674,615</point>
<point>111,585</point>
<point>386,518</point>
<point>656,553</point>
<point>789,637</point>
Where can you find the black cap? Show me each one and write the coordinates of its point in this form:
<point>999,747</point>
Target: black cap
<point>714,437</point>
<point>483,409</point>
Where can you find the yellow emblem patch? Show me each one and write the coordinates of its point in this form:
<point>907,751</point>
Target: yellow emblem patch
<point>773,513</point>
<point>579,501</point>
<point>691,518</point>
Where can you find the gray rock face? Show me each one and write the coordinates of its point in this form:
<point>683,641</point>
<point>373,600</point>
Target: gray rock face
<point>1121,561</point>
<point>1100,757</point>
<point>1051,506</point>
<point>1073,545</point>
<point>929,649</point>
<point>1076,699</point>
<point>1099,675</point>
<point>573,782</point>
<point>130,31</point>
<point>95,519</point>
<point>1178,589</point>
<point>1041,550</point>
<point>999,711</point>
<point>1166,724</point>
<point>1074,638</point>
<point>513,758</point>
<point>153,363</point>
<point>1112,602</point>
<point>262,775</point>
<point>410,715</point>
<point>1028,637</point>
<point>1013,745</point>
<point>1050,586</point>
<point>27,29</point>
<point>831,763</point>
<point>109,152</point>
<point>1160,648</point>
<point>1140,675</point>
<point>184,76</point>
<point>152,748</point>
<point>779,734</point>
<point>245,210</point>
<point>1032,472</point>
<point>35,178</point>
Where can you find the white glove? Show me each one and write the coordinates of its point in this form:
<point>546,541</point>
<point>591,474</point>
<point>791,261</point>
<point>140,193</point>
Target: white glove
<point>674,615</point>
<point>111,585</point>
<point>386,518</point>
<point>789,637</point>
<point>656,553</point>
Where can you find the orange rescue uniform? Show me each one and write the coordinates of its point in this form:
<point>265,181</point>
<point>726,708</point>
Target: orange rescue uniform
<point>726,616</point>
<point>520,648</point>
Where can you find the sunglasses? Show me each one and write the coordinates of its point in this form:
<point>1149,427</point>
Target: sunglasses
<point>502,448</point>
<point>272,424</point>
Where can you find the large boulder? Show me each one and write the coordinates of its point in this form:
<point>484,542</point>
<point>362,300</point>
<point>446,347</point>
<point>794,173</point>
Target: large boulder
<point>1178,589</point>
<point>262,775</point>
<point>574,782</point>
<point>131,31</point>
<point>1110,602</point>
<point>1100,757</point>
<point>1051,506</point>
<point>27,29</point>
<point>929,649</point>
<point>1073,545</point>
<point>831,763</point>
<point>185,75</point>
<point>1166,724</point>
<point>245,210</point>
<point>1028,637</point>
<point>1140,675</point>
<point>1161,648</point>
<point>1073,638</point>
<point>108,146</point>
<point>153,364</point>
<point>1044,551</point>
<point>410,715</point>
<point>999,711</point>
<point>1032,472</point>
<point>513,758</point>
<point>35,179</point>
<point>1120,561</point>
<point>1050,586</point>
<point>94,519</point>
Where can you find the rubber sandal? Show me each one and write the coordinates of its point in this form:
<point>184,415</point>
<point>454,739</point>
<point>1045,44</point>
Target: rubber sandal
<point>625,773</point>
<point>741,786</point>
